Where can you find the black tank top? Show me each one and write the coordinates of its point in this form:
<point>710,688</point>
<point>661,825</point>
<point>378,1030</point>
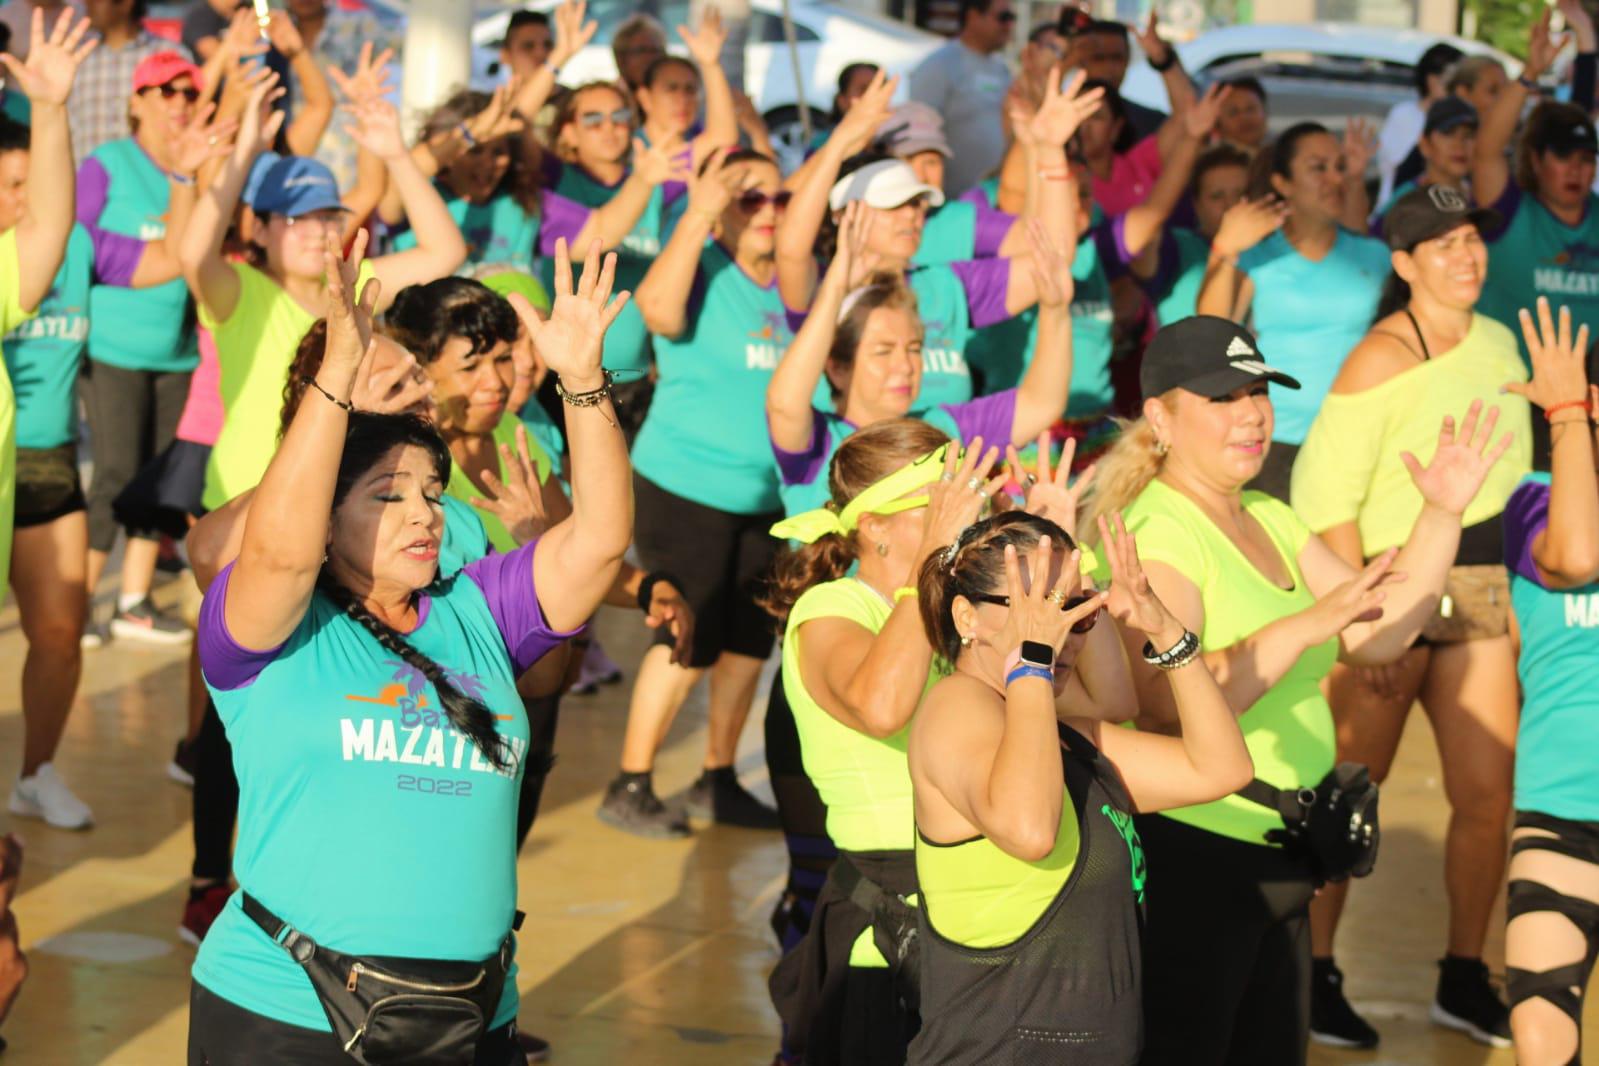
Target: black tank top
<point>1069,991</point>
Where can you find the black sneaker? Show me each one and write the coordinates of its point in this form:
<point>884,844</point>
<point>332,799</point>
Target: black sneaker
<point>631,805</point>
<point>718,797</point>
<point>1332,1020</point>
<point>142,623</point>
<point>536,1048</point>
<point>1467,1003</point>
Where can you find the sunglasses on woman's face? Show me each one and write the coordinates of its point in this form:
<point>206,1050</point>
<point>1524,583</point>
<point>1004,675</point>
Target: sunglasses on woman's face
<point>1082,625</point>
<point>167,92</point>
<point>752,201</point>
<point>593,120</point>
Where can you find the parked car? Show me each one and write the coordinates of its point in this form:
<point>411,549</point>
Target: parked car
<point>829,37</point>
<point>1325,71</point>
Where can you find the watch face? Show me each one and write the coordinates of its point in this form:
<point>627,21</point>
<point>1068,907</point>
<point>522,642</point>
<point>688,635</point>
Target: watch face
<point>1036,653</point>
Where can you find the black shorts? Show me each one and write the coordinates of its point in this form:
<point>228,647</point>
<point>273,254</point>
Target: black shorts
<point>222,1033</point>
<point>48,487</point>
<point>165,494</point>
<point>723,560</point>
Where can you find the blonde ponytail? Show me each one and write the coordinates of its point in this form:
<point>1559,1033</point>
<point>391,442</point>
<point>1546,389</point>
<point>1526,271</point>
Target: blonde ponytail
<point>1120,476</point>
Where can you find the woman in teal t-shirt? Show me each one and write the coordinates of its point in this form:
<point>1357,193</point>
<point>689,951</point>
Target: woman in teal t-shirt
<point>1548,242</point>
<point>1311,289</point>
<point>1550,532</point>
<point>1172,271</point>
<point>334,611</point>
<point>706,488</point>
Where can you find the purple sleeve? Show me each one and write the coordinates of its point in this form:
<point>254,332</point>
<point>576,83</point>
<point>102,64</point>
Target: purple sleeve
<point>227,664</point>
<point>116,256</point>
<point>1506,206</point>
<point>559,217</point>
<point>672,191</point>
<point>507,584</point>
<point>805,466</point>
<point>993,226</point>
<point>975,195</point>
<point>1165,267</point>
<point>1526,515</point>
<point>1110,240</point>
<point>987,283</point>
<point>795,319</point>
<point>93,188</point>
<point>991,417</point>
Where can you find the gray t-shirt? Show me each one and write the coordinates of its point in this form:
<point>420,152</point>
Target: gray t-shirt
<point>968,89</point>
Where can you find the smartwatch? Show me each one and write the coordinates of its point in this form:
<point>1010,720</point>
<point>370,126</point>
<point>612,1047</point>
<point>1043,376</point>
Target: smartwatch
<point>1039,654</point>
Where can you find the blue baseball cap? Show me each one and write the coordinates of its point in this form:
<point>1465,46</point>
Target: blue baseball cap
<point>258,170</point>
<point>296,185</point>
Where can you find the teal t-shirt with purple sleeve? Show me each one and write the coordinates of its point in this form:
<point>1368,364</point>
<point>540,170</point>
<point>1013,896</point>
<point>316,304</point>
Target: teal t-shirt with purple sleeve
<point>803,474</point>
<point>365,820</point>
<point>1557,741</point>
<point>962,229</point>
<point>502,232</point>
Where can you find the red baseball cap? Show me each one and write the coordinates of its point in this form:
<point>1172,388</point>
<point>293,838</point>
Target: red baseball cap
<point>163,68</point>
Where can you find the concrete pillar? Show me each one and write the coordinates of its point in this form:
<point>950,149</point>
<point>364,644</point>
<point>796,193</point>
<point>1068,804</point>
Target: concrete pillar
<point>438,55</point>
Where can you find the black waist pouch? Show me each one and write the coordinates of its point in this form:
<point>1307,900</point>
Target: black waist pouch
<point>1333,826</point>
<point>389,1011</point>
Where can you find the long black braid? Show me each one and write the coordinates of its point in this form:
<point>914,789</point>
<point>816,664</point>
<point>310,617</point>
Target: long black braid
<point>369,438</point>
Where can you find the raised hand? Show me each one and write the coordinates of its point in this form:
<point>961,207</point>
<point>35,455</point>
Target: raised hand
<point>1360,143</point>
<point>861,122</point>
<point>956,499</point>
<point>371,78</point>
<point>1357,600</point>
<point>395,389</point>
<point>1559,360</point>
<point>1247,223</point>
<point>349,318</point>
<point>518,501</point>
<point>46,78</point>
<point>572,34</point>
<point>1462,460</point>
<point>662,162</point>
<point>283,35</point>
<point>1037,614</point>
<point>1542,47</point>
<point>1048,494</point>
<point>668,608</point>
<point>203,139</point>
<point>1059,114</point>
<point>1201,118</point>
<point>853,262</point>
<point>705,41</point>
<point>259,125</point>
<point>1578,22</point>
<point>712,190</point>
<point>1051,266</point>
<point>375,127</point>
<point>1132,601</point>
<point>1149,39</point>
<point>498,118</point>
<point>572,340</point>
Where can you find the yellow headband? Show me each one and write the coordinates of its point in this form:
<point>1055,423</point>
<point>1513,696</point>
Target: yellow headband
<point>881,497</point>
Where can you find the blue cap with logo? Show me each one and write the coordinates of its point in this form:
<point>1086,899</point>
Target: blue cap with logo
<point>296,185</point>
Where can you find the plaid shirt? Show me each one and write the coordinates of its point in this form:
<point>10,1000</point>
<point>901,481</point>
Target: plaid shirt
<point>339,45</point>
<point>97,111</point>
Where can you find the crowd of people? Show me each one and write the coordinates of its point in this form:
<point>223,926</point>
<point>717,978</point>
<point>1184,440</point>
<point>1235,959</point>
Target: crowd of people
<point>1111,482</point>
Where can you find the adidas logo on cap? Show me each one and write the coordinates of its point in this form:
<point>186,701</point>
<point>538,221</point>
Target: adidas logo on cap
<point>1238,348</point>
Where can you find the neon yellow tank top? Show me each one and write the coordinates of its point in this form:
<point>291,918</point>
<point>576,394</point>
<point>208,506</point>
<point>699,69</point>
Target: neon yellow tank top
<point>865,781</point>
<point>980,897</point>
<point>1349,469</point>
<point>460,486</point>
<point>1289,730</point>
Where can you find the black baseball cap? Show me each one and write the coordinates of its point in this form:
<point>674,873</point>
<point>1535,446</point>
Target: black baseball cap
<point>1449,113</point>
<point>1564,137</point>
<point>1432,211</point>
<point>1206,355</point>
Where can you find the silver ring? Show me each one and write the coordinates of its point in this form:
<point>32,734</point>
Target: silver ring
<point>1032,479</point>
<point>975,484</point>
<point>946,476</point>
<point>212,141</point>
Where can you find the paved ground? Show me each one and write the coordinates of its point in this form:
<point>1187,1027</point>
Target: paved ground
<point>634,951</point>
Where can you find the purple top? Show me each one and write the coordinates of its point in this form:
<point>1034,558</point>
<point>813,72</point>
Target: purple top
<point>993,226</point>
<point>987,284</point>
<point>116,255</point>
<point>1506,205</point>
<point>1526,515</point>
<point>989,417</point>
<point>559,217</point>
<point>506,581</point>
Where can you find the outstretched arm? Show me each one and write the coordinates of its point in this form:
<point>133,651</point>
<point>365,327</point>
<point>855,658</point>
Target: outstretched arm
<point>663,295</point>
<point>653,166</point>
<point>1144,222</point>
<point>704,44</point>
<point>1490,170</point>
<point>1043,391</point>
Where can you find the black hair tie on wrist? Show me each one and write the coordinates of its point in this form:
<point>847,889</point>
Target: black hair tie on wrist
<point>1165,64</point>
<point>346,404</point>
<point>646,588</point>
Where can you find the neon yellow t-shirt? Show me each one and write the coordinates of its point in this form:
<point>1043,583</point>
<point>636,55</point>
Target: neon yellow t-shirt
<point>865,781</point>
<point>255,347</point>
<point>461,487</point>
<point>11,315</point>
<point>1349,469</point>
<point>1289,730</point>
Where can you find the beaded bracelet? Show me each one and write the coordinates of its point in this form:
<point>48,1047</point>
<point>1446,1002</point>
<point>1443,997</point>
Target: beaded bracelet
<point>1185,651</point>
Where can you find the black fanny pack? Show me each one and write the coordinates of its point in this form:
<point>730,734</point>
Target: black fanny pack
<point>896,930</point>
<point>395,1011</point>
<point>1333,826</point>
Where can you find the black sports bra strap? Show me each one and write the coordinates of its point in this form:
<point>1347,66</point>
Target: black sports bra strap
<point>1426,355</point>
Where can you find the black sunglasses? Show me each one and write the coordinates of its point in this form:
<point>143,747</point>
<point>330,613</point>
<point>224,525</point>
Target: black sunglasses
<point>1082,625</point>
<point>168,92</point>
<point>1006,16</point>
<point>752,201</point>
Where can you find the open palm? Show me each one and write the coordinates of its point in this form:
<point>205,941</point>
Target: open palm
<point>1462,460</point>
<point>572,340</point>
<point>53,61</point>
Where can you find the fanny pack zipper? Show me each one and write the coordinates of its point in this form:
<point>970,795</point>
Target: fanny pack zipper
<point>389,979</point>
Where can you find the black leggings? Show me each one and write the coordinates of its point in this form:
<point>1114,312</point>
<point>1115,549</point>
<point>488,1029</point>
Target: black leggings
<point>216,788</point>
<point>1226,950</point>
<point>222,1033</point>
<point>1562,986</point>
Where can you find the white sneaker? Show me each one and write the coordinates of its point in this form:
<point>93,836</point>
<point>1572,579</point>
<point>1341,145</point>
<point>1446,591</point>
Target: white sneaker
<point>46,796</point>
